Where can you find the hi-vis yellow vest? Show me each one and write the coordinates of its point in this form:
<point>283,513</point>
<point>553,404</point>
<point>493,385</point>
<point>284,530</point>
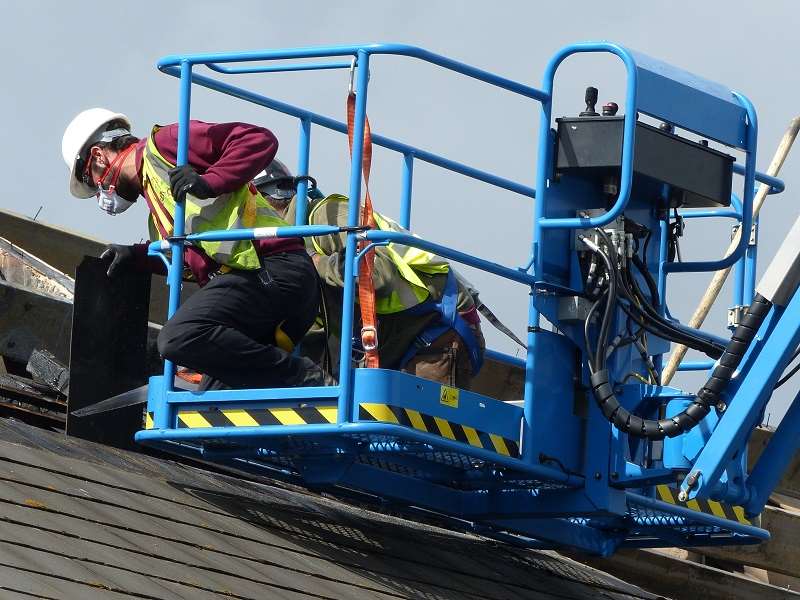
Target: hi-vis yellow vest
<point>407,288</point>
<point>241,209</point>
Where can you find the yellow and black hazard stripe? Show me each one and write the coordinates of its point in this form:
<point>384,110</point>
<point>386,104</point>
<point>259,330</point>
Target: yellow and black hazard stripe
<point>718,509</point>
<point>252,417</point>
<point>408,417</point>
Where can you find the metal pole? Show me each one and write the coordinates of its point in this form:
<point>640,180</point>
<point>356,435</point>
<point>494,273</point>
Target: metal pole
<point>738,280</point>
<point>750,257</point>
<point>534,318</point>
<point>301,203</point>
<point>162,417</point>
<point>405,194</point>
<point>721,276</point>
<point>663,256</point>
<point>348,298</point>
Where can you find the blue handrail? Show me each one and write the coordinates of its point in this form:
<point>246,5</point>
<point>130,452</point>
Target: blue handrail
<point>365,50</point>
<point>629,131</point>
<point>278,68</point>
<point>341,127</point>
<point>182,68</point>
<point>747,202</point>
<point>776,186</point>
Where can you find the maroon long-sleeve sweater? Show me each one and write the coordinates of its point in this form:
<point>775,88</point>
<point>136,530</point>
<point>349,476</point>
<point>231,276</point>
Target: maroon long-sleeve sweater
<point>227,155</point>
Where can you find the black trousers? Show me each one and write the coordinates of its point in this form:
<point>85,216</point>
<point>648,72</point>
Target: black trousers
<point>226,330</point>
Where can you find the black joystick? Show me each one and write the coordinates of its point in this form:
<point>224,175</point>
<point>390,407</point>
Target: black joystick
<point>591,102</point>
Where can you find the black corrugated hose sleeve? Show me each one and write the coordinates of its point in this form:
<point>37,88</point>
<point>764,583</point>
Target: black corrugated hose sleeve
<point>707,397</point>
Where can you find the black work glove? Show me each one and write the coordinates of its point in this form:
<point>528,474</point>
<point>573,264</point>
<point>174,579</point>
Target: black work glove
<point>119,256</point>
<point>185,180</point>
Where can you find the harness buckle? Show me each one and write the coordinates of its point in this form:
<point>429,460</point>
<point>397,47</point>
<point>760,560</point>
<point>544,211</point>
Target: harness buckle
<point>369,338</point>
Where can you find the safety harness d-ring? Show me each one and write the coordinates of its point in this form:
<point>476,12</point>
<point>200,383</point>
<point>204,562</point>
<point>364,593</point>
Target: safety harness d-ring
<point>369,338</point>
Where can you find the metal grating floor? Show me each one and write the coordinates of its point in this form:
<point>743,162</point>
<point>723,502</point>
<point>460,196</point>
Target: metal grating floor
<point>388,453</point>
<point>650,524</point>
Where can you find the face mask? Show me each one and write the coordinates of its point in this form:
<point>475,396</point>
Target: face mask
<point>111,202</point>
<point>107,198</point>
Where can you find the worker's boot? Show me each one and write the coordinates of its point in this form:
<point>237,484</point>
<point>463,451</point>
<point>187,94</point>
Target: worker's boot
<point>313,375</point>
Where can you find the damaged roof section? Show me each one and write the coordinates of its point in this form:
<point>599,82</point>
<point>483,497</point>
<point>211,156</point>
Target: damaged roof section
<point>37,295</point>
<point>35,320</point>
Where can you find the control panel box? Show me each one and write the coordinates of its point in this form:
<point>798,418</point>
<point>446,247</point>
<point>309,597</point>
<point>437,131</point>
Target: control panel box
<point>591,148</point>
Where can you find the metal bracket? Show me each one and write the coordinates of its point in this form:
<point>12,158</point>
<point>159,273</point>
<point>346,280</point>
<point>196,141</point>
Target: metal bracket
<point>573,308</point>
<point>622,241</point>
<point>753,233</point>
<point>735,314</point>
<point>355,228</point>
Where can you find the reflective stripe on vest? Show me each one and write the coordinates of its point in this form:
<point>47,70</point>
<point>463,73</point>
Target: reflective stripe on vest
<point>244,208</point>
<point>408,289</point>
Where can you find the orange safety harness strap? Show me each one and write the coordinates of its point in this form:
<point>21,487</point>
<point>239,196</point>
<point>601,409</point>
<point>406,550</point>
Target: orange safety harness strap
<point>366,287</point>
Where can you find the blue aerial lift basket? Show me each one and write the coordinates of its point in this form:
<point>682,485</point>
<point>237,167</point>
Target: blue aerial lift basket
<point>553,472</point>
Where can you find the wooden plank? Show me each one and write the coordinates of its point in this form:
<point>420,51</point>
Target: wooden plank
<point>684,580</point>
<point>31,392</point>
<point>64,250</point>
<point>61,248</point>
<point>499,380</point>
<point>790,482</point>
<point>22,268</point>
<point>30,414</point>
<point>781,554</point>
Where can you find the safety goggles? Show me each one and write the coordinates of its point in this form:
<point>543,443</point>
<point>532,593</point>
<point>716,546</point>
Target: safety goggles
<point>284,188</point>
<point>84,167</point>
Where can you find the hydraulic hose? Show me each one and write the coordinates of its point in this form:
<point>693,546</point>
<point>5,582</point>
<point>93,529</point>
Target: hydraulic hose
<point>707,397</point>
<point>649,317</point>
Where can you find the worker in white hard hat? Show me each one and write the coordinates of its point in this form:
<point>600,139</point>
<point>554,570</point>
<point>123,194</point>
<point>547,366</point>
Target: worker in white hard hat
<point>257,298</point>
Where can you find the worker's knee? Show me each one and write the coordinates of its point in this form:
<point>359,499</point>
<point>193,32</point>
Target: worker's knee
<point>174,342</point>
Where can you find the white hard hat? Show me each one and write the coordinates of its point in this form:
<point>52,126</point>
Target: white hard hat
<point>84,129</point>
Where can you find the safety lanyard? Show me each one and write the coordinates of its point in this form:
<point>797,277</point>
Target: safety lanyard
<point>366,287</point>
